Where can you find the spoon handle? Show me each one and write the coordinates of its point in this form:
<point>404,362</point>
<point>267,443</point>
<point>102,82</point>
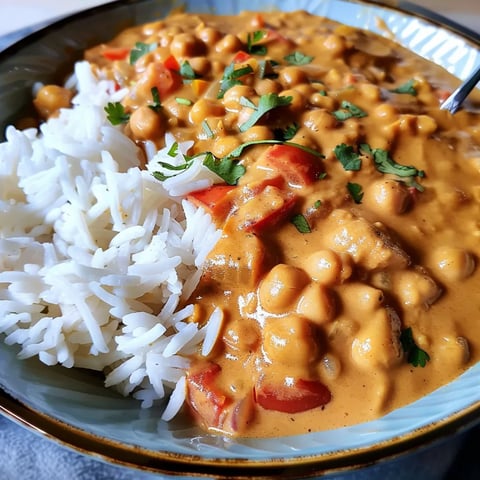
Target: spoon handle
<point>455,100</point>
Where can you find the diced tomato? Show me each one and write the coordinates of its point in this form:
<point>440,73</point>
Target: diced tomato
<point>115,53</point>
<point>442,95</point>
<point>300,396</point>
<point>212,199</point>
<point>164,79</point>
<point>172,64</point>
<point>241,57</point>
<point>298,167</point>
<point>207,401</point>
<point>258,21</point>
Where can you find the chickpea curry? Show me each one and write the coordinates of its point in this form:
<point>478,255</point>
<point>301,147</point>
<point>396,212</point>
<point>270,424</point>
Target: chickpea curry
<point>346,276</point>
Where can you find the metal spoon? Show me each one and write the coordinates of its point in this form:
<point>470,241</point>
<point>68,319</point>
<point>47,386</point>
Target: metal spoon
<point>455,100</point>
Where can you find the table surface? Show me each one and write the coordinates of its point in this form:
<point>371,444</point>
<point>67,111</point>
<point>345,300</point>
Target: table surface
<point>24,454</point>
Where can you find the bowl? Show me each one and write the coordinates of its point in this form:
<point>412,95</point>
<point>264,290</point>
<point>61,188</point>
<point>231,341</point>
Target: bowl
<point>72,407</point>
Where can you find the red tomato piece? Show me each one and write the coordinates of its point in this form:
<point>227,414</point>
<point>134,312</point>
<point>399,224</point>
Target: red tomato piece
<point>172,64</point>
<point>298,167</point>
<point>241,57</point>
<point>207,401</point>
<point>115,53</point>
<point>302,395</point>
<point>164,79</point>
<point>213,199</point>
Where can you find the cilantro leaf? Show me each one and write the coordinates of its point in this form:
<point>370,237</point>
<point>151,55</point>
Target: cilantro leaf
<point>265,69</point>
<point>207,129</point>
<point>385,164</point>
<point>348,110</point>
<point>408,88</point>
<point>298,58</point>
<point>231,77</point>
<point>139,50</point>
<point>301,223</point>
<point>356,191</point>
<point>187,72</point>
<point>252,43</point>
<point>347,156</point>
<point>226,168</point>
<point>157,104</point>
<point>267,102</point>
<point>285,134</point>
<point>415,355</point>
<point>116,113</point>
<point>173,150</point>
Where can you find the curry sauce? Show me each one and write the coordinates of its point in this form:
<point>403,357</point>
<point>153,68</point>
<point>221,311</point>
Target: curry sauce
<point>346,275</point>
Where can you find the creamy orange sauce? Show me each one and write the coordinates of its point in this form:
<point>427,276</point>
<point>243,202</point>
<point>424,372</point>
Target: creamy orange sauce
<point>313,313</point>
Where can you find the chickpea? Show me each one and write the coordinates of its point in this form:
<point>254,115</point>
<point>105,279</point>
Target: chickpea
<point>318,120</point>
<point>377,344</point>
<point>209,35</point>
<point>224,145</point>
<point>291,76</point>
<point>186,45</point>
<point>385,112</point>
<point>388,196</point>
<point>280,288</point>
<point>415,288</point>
<point>322,101</point>
<point>363,298</point>
<point>228,44</point>
<point>267,85</point>
<point>316,303</point>
<point>289,341</point>
<point>146,124</point>
<point>453,263</point>
<point>51,98</point>
<point>453,351</point>
<point>204,108</point>
<point>298,100</point>
<point>200,65</point>
<point>334,45</point>
<point>325,267</point>
<point>232,96</point>
<point>426,125</point>
<point>241,336</point>
<point>258,132</point>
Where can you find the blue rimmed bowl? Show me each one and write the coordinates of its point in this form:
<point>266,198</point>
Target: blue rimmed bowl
<point>73,407</point>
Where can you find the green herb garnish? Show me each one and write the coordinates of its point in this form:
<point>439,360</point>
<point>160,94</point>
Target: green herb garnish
<point>231,77</point>
<point>298,58</point>
<point>301,223</point>
<point>285,134</point>
<point>183,101</point>
<point>267,102</point>
<point>252,43</point>
<point>187,72</point>
<point>348,157</point>
<point>265,69</point>
<point>157,104</point>
<point>139,50</point>
<point>385,164</point>
<point>116,114</point>
<point>408,88</point>
<point>356,191</point>
<point>348,110</point>
<point>207,129</point>
<point>317,204</point>
<point>229,170</point>
<point>173,150</point>
<point>415,355</point>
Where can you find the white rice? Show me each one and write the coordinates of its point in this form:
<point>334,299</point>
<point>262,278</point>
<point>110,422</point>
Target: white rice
<point>96,254</point>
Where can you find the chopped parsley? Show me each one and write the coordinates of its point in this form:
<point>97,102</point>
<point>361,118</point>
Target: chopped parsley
<point>173,150</point>
<point>415,355</point>
<point>348,157</point>
<point>267,102</point>
<point>408,88</point>
<point>157,104</point>
<point>317,204</point>
<point>116,114</point>
<point>356,191</point>
<point>139,50</point>
<point>231,77</point>
<point>348,110</point>
<point>301,223</point>
<point>298,58</point>
<point>252,43</point>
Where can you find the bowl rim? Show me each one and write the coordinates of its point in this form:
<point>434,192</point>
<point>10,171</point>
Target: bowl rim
<point>170,463</point>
